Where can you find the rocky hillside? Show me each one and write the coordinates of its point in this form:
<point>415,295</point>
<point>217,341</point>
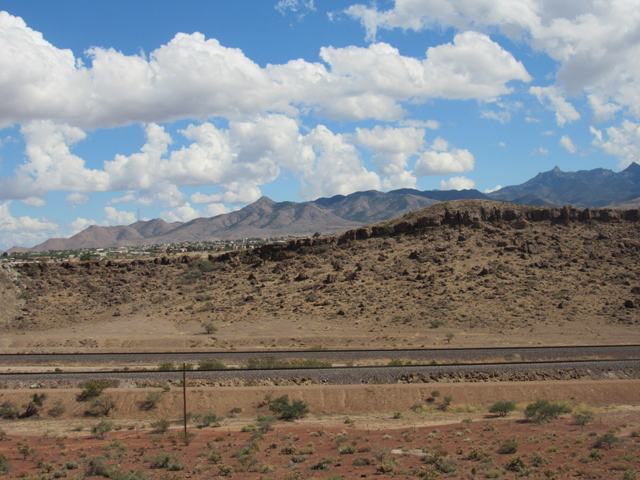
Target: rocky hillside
<point>458,267</point>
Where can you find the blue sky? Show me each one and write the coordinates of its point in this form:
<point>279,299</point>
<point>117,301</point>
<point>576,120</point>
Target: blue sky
<point>179,110</point>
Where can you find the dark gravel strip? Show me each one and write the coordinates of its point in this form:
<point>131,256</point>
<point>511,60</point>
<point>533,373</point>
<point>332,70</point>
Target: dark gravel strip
<point>613,369</point>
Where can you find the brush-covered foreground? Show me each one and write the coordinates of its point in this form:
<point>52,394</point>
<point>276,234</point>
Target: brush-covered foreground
<point>462,446</point>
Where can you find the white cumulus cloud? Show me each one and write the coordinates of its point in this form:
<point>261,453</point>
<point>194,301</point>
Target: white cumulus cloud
<point>443,161</point>
<point>77,198</point>
<point>23,230</point>
<point>567,144</point>
<point>457,183</point>
<point>622,141</point>
<point>554,100</point>
<point>119,217</point>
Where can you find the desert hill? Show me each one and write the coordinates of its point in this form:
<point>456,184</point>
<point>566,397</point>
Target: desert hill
<point>486,272</point>
<point>265,218</point>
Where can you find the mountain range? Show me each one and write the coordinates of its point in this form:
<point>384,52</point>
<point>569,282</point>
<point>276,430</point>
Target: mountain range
<point>596,188</point>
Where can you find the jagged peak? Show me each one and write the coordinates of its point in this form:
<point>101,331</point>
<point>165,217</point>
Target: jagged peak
<point>633,167</point>
<point>263,201</point>
<point>556,169</point>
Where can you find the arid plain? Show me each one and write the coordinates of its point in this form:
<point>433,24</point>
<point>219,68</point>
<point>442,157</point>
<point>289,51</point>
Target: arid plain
<point>458,274</point>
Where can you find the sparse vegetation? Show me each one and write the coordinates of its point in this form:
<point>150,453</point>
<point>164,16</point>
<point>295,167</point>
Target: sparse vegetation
<point>502,408</point>
<point>542,411</point>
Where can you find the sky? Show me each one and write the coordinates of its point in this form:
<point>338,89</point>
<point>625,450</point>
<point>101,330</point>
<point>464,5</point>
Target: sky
<point>114,111</point>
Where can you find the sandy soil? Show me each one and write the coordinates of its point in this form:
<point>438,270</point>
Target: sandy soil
<point>416,446</point>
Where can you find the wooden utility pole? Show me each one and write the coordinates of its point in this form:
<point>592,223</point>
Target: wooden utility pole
<point>184,397</point>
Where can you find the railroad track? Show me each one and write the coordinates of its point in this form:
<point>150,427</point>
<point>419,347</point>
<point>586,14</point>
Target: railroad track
<point>341,357</point>
<point>505,371</point>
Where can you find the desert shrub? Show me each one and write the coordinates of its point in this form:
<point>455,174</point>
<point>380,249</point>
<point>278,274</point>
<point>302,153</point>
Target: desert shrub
<point>215,457</point>
<point>137,475</point>
<point>267,362</point>
<point>288,449</point>
<point>298,458</point>
<point>70,465</point>
<point>165,460</point>
<point>287,410</point>
<point>347,449</point>
<point>166,366</point>
<point>428,472</point>
<point>321,465</point>
<point>9,411</point>
<point>536,460</point>
<point>583,417</point>
<point>629,475</point>
<point>515,464</point>
<point>225,470</point>
<point>25,450</point>
<point>494,473</point>
<point>5,464</point>
<point>102,428</point>
<point>593,456</point>
<point>94,388</point>
<point>361,462</point>
<point>502,408</point>
<point>150,402</point>
<point>185,437</point>
<point>160,426</point>
<point>202,421</point>
<point>477,454</point>
<point>57,410</point>
<point>606,440</point>
<point>397,415</point>
<point>102,406</point>
<point>542,411</point>
<point>96,467</point>
<point>395,362</point>
<point>211,364</point>
<point>32,408</point>
<point>509,447</point>
<point>265,423</point>
<point>387,466</point>
<point>210,328</point>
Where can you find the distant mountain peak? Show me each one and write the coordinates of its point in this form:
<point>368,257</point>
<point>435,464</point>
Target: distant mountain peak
<point>264,201</point>
<point>633,167</point>
<point>556,169</point>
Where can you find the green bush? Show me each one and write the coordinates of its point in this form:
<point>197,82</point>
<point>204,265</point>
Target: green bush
<point>57,410</point>
<point>164,460</point>
<point>94,388</point>
<point>347,450</point>
<point>102,428</point>
<point>9,411</point>
<point>509,447</point>
<point>211,364</point>
<point>287,410</point>
<point>5,464</point>
<point>583,417</point>
<point>606,440</point>
<point>542,411</point>
<point>102,405</point>
<point>160,426</point>
<point>96,467</point>
<point>151,401</point>
<point>502,408</point>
